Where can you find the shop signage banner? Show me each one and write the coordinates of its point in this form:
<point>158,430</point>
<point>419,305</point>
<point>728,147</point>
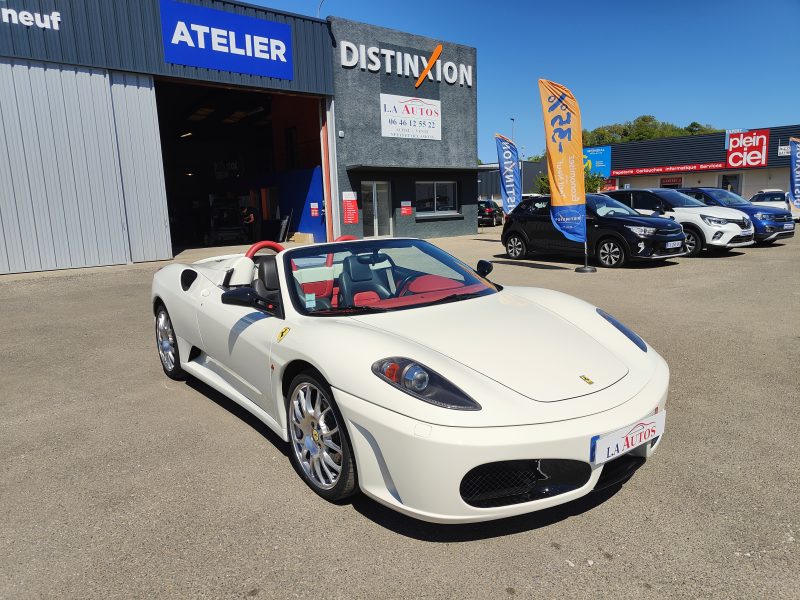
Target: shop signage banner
<point>564,140</point>
<point>510,180</point>
<point>598,160</point>
<point>794,171</point>
<point>203,37</point>
<point>715,166</point>
<point>411,118</point>
<point>748,149</point>
<point>349,208</point>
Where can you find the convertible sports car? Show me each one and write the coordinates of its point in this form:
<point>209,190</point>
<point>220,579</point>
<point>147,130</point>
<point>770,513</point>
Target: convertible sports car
<point>360,354</point>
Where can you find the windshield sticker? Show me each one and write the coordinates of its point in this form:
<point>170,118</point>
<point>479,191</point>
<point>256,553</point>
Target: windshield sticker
<point>311,300</point>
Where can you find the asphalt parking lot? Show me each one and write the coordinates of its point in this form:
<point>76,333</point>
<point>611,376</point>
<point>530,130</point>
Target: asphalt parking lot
<point>117,482</point>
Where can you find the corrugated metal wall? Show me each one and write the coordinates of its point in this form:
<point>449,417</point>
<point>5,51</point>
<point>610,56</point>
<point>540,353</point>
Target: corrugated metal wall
<point>125,35</point>
<point>64,183</point>
<point>139,144</point>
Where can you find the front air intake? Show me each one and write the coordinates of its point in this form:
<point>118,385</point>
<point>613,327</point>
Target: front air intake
<point>517,481</point>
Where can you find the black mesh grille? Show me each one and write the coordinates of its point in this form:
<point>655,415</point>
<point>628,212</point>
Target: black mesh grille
<point>517,481</point>
<point>741,238</point>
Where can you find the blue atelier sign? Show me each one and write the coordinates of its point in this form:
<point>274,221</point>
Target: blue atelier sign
<point>214,39</point>
<point>598,159</point>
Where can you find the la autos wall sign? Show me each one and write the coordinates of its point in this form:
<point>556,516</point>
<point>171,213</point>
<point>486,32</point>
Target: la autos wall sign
<point>203,37</point>
<point>404,64</point>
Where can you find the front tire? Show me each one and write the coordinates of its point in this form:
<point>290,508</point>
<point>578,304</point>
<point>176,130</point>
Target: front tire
<point>320,449</point>
<point>167,345</point>
<point>694,242</point>
<point>611,253</point>
<point>516,246</point>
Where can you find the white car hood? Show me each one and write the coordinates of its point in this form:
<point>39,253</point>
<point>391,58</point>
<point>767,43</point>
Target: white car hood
<point>508,338</point>
<point>713,211</point>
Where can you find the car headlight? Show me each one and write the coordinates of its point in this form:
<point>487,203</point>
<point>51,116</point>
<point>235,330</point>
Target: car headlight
<point>714,221</point>
<point>624,330</point>
<point>761,216</point>
<point>642,232</point>
<point>422,383</point>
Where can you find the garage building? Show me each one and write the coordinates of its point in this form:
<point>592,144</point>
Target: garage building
<point>132,129</point>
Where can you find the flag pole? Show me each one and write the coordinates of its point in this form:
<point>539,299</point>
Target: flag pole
<point>586,268</point>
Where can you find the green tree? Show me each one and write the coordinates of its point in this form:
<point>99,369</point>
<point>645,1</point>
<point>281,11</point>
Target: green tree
<point>591,181</point>
<point>644,127</point>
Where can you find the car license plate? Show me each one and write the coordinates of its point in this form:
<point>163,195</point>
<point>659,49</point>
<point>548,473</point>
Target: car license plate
<point>788,225</point>
<point>612,445</point>
<point>747,231</point>
<point>676,244</point>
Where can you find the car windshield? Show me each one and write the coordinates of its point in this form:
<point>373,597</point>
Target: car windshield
<point>725,197</point>
<point>677,199</point>
<point>368,276</point>
<point>605,206</point>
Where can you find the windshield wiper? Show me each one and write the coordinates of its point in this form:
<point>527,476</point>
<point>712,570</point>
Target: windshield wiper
<point>349,310</point>
<point>453,298</point>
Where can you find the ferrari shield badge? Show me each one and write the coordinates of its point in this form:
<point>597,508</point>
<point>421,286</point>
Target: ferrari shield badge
<point>282,334</point>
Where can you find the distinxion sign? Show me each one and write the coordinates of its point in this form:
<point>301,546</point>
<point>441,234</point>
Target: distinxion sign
<point>202,37</point>
<point>375,59</point>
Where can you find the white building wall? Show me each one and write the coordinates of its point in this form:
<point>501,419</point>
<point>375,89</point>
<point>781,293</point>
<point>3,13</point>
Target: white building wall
<point>761,179</point>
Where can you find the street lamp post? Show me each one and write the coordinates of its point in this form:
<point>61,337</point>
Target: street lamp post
<point>512,129</point>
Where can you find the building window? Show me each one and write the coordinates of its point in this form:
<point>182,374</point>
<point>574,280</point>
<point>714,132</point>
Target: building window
<point>436,197</point>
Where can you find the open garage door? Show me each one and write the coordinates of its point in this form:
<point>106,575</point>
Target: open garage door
<point>240,165</point>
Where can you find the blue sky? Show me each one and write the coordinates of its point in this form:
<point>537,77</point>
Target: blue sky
<point>730,63</point>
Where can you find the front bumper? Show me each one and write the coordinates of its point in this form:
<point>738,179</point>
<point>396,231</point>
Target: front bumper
<point>417,468</point>
<point>774,230</point>
<point>728,236</point>
<point>655,247</point>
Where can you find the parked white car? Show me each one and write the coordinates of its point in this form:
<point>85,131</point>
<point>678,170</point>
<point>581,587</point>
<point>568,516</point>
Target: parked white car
<point>712,227</point>
<point>777,199</point>
<point>369,359</point>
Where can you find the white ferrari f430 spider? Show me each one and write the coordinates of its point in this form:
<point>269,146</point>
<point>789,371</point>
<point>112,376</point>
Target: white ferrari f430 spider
<point>391,367</point>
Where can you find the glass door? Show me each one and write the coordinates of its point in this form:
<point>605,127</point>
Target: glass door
<point>731,182</point>
<point>376,208</point>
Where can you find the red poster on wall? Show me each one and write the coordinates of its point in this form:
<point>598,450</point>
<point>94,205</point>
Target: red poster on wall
<point>349,208</point>
<point>405,208</point>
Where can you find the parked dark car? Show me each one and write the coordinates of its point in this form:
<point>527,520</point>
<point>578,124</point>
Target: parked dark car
<point>770,223</point>
<point>615,233</point>
<point>489,213</point>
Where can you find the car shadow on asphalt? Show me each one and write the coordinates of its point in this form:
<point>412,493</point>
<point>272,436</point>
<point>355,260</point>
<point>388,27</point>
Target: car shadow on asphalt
<point>577,261</point>
<point>434,532</point>
<point>729,254</point>
<point>528,264</point>
<point>224,402</point>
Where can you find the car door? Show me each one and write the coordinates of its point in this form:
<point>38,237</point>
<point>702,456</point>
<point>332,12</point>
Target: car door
<point>540,226</point>
<point>237,340</point>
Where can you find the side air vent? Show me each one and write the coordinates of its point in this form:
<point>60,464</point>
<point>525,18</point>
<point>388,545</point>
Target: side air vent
<point>187,279</point>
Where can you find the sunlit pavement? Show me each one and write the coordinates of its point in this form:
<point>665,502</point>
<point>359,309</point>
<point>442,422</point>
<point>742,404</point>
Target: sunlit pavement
<point>118,482</point>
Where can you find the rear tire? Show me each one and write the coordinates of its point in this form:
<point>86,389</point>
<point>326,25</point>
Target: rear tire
<point>320,448</point>
<point>694,241</point>
<point>516,246</point>
<point>611,253</point>
<point>167,345</point>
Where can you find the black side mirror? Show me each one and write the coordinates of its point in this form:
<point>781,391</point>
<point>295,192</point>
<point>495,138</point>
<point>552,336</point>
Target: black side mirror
<point>242,296</point>
<point>484,268</point>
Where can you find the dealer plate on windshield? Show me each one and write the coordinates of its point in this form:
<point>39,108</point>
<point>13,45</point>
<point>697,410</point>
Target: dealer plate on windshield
<point>612,445</point>
<point>676,244</point>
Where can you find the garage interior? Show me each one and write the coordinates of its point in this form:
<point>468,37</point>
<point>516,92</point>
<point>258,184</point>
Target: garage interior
<point>239,165</point>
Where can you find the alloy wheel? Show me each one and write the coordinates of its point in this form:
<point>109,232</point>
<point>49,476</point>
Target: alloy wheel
<point>165,336</point>
<point>514,246</point>
<point>315,436</point>
<point>691,242</point>
<point>610,253</point>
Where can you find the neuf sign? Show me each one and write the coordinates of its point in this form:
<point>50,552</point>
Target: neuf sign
<point>748,149</point>
<point>203,37</point>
